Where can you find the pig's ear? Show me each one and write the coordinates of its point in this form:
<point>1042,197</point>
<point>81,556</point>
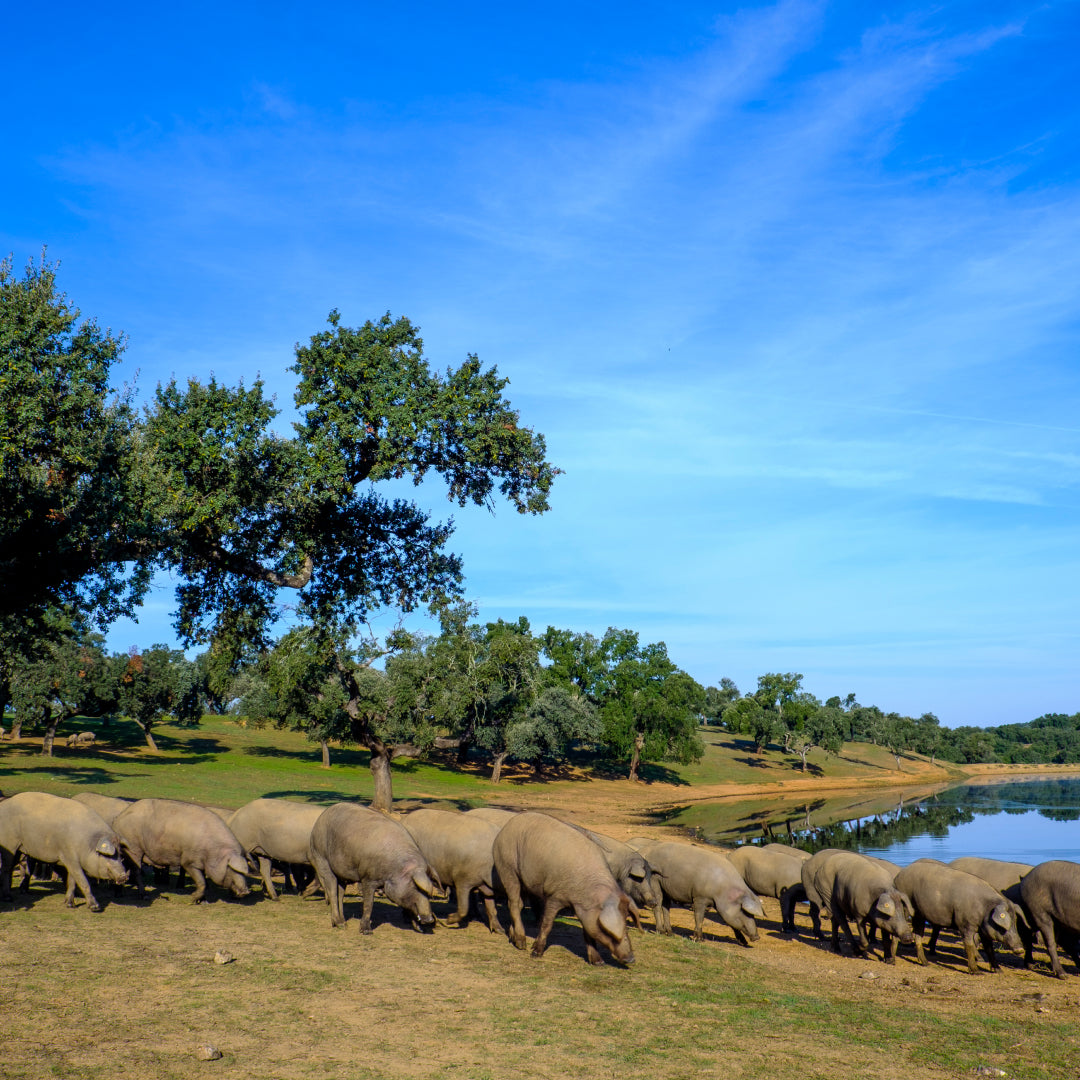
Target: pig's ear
<point>612,920</point>
<point>909,907</point>
<point>885,905</point>
<point>238,864</point>
<point>106,847</point>
<point>423,882</point>
<point>751,905</point>
<point>1000,917</point>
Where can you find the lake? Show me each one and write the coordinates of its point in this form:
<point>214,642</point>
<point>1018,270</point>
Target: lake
<point>1021,821</point>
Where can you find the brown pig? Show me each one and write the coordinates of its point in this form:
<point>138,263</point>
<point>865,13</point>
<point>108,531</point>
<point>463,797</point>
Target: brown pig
<point>460,849</point>
<point>560,867</point>
<point>773,871</point>
<point>856,887</point>
<point>52,829</point>
<point>275,829</point>
<point>355,843</point>
<point>167,832</point>
<point>946,897</point>
<point>1051,897</point>
<point>701,878</point>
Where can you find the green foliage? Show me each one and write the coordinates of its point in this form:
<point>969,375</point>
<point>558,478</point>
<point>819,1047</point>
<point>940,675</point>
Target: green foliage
<point>156,683</point>
<point>648,706</point>
<point>493,693</point>
<point>67,675</point>
<point>73,515</point>
<point>749,717</point>
<point>719,699</point>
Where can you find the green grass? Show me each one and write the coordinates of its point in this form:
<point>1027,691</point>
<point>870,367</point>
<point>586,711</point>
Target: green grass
<point>225,763</point>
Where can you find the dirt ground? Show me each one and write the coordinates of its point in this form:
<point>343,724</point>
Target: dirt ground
<point>135,991</point>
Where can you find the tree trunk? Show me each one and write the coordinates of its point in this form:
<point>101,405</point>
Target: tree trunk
<point>149,737</point>
<point>803,755</point>
<point>325,753</point>
<point>635,759</point>
<point>496,767</point>
<point>383,799</point>
<point>50,735</point>
<point>16,729</point>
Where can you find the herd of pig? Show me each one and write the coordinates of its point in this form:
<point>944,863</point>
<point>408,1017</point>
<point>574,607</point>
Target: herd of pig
<point>537,858</point>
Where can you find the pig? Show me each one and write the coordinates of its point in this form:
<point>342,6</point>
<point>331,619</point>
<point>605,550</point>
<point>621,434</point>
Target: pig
<point>855,887</point>
<point>633,873</point>
<point>701,878</point>
<point>557,865</point>
<point>788,849</point>
<point>494,814</point>
<point>772,871</point>
<point>995,872</point>
<point>459,848</point>
<point>108,806</point>
<point>818,900</point>
<point>81,738</point>
<point>355,843</point>
<point>946,897</point>
<point>275,830</point>
<point>1051,897</point>
<point>166,832</point>
<point>52,829</point>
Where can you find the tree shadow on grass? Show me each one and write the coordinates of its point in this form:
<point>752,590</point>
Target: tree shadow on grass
<point>89,775</point>
<point>810,770</point>
<point>313,795</point>
<point>339,755</point>
<point>649,772</point>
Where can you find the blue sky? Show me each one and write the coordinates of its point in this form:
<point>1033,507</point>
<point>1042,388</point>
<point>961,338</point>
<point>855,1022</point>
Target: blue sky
<point>791,289</point>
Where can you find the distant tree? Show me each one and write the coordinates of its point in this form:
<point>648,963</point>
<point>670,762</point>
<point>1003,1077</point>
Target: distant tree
<point>928,737</point>
<point>329,689</point>
<point>69,675</point>
<point>649,707</point>
<point>719,699</point>
<point>748,717</point>
<point>800,707</point>
<point>578,660</point>
<point>819,729</point>
<point>557,719</point>
<point>493,693</point>
<point>897,734</point>
<point>775,690</point>
<point>156,683</point>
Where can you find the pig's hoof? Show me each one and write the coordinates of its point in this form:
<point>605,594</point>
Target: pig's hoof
<point>94,907</point>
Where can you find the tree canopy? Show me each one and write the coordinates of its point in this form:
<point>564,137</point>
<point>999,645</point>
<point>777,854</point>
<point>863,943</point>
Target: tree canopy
<point>94,496</point>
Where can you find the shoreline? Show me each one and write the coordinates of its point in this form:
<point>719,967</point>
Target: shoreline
<point>632,806</point>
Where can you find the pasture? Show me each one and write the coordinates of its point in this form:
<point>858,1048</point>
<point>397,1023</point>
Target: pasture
<point>133,991</point>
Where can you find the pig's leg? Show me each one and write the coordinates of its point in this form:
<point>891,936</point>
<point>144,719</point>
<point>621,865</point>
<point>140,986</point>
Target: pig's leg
<point>547,921</point>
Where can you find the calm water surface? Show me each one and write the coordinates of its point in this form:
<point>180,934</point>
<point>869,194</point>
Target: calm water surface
<point>1027,822</point>
<point>1022,821</point>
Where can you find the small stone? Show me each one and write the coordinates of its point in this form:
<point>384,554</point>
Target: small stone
<point>988,1070</point>
<point>221,957</point>
<point>206,1052</point>
<point>868,975</point>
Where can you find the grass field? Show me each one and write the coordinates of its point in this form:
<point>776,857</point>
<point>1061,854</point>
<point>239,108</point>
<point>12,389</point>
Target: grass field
<point>132,992</point>
<point>228,763</point>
